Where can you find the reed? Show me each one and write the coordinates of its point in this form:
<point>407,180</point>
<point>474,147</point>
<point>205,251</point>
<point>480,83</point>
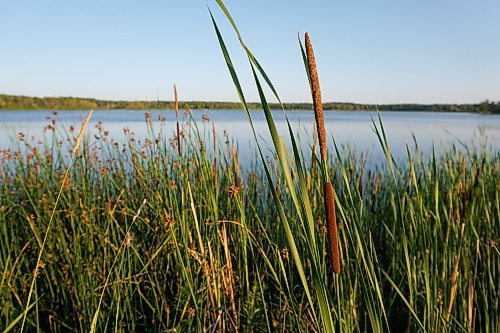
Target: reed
<point>39,264</point>
<point>177,121</point>
<point>215,168</point>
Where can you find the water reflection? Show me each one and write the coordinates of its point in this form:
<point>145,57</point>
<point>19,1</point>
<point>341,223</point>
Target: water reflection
<point>354,129</point>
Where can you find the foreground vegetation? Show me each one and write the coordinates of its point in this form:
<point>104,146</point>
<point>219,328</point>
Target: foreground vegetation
<point>12,102</point>
<point>145,239</point>
<point>167,234</point>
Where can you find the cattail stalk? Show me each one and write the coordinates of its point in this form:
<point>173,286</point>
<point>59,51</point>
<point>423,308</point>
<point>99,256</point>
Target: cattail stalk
<point>315,143</point>
<point>361,177</point>
<point>177,117</point>
<point>331,219</point>
<point>216,172</point>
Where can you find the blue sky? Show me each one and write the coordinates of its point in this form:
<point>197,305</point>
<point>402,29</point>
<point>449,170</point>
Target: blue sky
<point>423,51</point>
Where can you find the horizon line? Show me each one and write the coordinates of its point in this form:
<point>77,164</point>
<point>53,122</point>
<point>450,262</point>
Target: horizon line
<point>238,102</point>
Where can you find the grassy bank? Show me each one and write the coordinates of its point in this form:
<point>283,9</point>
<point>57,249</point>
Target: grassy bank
<point>145,239</point>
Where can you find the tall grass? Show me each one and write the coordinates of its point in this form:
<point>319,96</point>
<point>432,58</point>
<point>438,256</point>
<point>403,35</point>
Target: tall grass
<point>144,240</point>
<point>166,234</point>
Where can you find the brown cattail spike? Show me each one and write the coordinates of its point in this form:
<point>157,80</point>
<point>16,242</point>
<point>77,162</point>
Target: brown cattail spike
<point>177,116</point>
<point>316,94</point>
<point>234,155</point>
<point>331,220</point>
<point>331,223</point>
<point>176,102</point>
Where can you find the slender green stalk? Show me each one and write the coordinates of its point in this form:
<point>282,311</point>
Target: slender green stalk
<point>36,271</point>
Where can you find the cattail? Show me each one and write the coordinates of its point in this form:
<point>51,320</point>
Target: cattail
<point>331,219</point>
<point>234,155</point>
<point>331,223</point>
<point>316,94</point>
<point>176,117</point>
<point>176,102</point>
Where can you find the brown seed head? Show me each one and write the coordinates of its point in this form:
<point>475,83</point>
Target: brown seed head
<point>331,222</point>
<point>176,102</point>
<point>316,95</point>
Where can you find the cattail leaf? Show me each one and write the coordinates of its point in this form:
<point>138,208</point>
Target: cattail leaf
<point>280,209</point>
<point>248,52</point>
<point>304,59</point>
<point>304,193</point>
<point>278,145</point>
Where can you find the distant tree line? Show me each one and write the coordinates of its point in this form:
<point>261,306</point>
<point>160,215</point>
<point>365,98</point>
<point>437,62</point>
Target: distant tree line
<point>11,102</point>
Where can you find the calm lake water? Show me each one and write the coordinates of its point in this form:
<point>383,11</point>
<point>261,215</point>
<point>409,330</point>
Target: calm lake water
<point>352,129</point>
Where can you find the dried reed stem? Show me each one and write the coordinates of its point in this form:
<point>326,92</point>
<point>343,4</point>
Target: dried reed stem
<point>227,274</point>
<point>470,306</point>
<point>82,132</point>
<point>454,279</point>
<point>203,259</point>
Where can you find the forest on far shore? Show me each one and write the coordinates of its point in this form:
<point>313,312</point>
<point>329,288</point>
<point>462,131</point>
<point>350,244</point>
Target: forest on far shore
<point>12,102</point>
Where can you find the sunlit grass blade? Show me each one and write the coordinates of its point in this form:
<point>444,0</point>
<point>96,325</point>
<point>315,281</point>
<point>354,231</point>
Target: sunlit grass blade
<point>47,231</point>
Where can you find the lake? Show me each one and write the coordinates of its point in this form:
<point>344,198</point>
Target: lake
<point>353,129</point>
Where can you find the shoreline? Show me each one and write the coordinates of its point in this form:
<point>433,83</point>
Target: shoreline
<point>26,103</point>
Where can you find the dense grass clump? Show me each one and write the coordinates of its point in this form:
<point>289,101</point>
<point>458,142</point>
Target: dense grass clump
<point>145,239</point>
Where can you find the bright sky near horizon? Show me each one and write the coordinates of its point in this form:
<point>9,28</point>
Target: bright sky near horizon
<point>426,51</point>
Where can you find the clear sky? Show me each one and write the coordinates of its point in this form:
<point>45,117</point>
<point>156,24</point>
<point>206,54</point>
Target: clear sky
<point>368,51</point>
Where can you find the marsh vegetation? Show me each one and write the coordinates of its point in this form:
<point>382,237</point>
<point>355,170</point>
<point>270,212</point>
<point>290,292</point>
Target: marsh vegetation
<point>168,234</point>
